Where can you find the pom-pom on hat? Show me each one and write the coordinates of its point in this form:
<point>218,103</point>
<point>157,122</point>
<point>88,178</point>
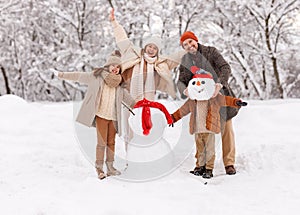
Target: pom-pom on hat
<point>188,35</point>
<point>200,73</point>
<point>154,40</point>
<point>114,58</point>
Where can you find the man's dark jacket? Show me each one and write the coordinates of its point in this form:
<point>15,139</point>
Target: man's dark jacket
<point>209,59</point>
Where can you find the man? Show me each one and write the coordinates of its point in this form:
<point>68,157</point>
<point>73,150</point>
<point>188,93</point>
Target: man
<point>209,59</point>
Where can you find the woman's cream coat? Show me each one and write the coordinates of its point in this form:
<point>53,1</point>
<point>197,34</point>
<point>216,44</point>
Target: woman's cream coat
<point>131,55</point>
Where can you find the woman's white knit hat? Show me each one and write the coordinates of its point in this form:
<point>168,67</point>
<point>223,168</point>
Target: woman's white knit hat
<point>154,40</point>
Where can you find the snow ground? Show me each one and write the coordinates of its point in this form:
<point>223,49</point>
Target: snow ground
<point>44,170</point>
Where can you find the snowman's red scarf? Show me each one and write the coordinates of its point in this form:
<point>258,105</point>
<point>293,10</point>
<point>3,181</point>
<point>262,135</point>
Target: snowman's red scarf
<point>146,114</point>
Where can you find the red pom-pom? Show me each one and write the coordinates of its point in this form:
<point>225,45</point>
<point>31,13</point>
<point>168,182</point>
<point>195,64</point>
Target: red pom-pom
<point>194,69</point>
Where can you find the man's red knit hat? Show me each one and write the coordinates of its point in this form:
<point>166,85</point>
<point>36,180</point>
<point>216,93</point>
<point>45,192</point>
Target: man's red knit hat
<point>188,35</point>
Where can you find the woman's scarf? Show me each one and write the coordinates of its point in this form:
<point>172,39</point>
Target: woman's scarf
<point>137,89</point>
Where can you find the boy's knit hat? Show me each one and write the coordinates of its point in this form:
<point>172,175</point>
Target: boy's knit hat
<point>114,58</point>
<point>188,35</point>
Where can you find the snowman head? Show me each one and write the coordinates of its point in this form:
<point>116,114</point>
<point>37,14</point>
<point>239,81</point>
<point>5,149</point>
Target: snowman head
<point>201,86</point>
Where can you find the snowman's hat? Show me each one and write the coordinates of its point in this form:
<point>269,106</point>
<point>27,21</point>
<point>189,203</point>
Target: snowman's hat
<point>200,73</point>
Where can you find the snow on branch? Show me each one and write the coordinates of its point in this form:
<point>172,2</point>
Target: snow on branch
<point>8,5</point>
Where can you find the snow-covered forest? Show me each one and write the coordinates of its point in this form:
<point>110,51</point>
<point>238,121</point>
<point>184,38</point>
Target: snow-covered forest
<point>260,40</point>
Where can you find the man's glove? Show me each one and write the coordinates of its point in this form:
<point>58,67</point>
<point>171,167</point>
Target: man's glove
<point>240,103</point>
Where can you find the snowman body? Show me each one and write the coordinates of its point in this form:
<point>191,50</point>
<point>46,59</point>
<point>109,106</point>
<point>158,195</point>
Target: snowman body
<point>148,156</point>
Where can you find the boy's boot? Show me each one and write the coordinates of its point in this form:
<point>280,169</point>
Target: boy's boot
<point>198,171</point>
<point>207,174</point>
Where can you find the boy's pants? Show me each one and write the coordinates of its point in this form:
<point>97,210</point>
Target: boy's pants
<point>205,155</point>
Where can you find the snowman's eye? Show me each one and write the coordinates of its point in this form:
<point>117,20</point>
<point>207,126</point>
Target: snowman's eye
<point>194,82</point>
<point>202,82</point>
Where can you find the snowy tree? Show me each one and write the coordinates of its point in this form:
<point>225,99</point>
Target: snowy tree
<point>59,35</point>
<point>260,39</point>
<point>232,36</point>
<point>273,22</point>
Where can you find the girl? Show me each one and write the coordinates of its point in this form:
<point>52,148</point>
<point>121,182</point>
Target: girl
<point>101,107</point>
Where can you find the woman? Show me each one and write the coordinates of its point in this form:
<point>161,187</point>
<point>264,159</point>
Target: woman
<point>143,70</point>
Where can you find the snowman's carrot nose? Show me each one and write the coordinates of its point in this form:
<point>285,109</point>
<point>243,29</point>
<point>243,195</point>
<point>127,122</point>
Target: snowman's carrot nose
<point>198,83</point>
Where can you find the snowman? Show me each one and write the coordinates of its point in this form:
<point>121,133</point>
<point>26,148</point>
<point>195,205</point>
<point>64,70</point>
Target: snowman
<point>149,154</point>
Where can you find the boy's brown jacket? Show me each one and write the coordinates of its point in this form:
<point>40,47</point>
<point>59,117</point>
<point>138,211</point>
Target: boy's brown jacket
<point>213,122</point>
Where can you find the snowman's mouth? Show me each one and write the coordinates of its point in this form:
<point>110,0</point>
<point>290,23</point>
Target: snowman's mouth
<point>200,91</point>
